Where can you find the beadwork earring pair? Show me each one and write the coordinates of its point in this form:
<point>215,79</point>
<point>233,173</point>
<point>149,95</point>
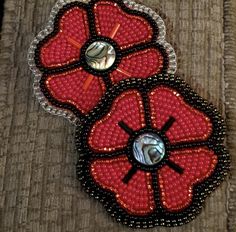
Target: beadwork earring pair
<point>150,149</point>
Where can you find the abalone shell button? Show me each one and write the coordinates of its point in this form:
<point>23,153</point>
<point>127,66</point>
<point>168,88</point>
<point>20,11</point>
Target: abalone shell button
<point>148,149</point>
<point>100,55</point>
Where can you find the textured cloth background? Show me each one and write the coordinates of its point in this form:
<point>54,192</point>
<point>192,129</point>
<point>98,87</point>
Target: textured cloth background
<point>38,187</point>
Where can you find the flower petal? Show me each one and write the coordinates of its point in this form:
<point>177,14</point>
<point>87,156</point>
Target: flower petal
<point>106,134</point>
<point>72,87</point>
<point>141,64</point>
<point>136,196</point>
<point>64,48</point>
<point>190,124</point>
<point>177,189</point>
<point>124,28</point>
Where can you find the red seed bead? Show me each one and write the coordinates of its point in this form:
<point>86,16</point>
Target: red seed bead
<point>136,197</point>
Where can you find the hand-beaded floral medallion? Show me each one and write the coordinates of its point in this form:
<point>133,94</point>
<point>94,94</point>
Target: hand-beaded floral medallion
<point>87,47</point>
<point>150,149</point>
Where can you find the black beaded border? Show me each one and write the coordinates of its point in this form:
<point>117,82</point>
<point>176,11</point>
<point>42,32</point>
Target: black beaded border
<point>160,217</point>
<point>93,36</point>
<point>56,28</point>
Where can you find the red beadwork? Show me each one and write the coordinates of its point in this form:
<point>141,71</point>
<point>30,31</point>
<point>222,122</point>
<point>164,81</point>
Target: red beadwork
<point>106,135</point>
<point>189,124</point>
<point>132,30</point>
<point>141,64</point>
<point>69,87</point>
<point>176,189</point>
<point>137,196</point>
<point>59,51</point>
<point>64,48</point>
<point>139,189</point>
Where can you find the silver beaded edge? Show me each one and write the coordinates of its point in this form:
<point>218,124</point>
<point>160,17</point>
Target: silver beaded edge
<point>162,32</point>
<point>49,28</point>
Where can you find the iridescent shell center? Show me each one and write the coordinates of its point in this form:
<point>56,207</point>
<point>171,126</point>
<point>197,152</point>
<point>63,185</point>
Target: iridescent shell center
<point>100,55</point>
<point>149,149</point>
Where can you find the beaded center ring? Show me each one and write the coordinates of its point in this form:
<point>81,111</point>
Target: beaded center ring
<point>148,149</point>
<point>100,55</point>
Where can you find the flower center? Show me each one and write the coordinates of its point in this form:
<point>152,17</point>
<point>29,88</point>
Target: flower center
<point>149,149</point>
<point>100,55</point>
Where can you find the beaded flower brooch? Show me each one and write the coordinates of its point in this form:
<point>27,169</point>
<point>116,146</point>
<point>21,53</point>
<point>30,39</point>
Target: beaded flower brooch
<point>150,149</point>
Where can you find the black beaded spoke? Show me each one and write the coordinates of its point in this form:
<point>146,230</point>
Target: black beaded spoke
<point>112,154</point>
<point>125,127</point>
<point>148,45</point>
<point>168,125</point>
<point>156,190</point>
<point>136,48</point>
<point>91,21</point>
<point>175,166</point>
<point>62,69</point>
<point>184,145</point>
<point>130,174</point>
<point>147,110</point>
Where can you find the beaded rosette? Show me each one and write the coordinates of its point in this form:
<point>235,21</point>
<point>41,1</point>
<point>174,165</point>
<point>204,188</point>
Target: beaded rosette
<point>150,149</point>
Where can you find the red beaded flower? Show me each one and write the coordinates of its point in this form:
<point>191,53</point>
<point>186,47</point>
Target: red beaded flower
<point>91,46</point>
<point>155,154</point>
